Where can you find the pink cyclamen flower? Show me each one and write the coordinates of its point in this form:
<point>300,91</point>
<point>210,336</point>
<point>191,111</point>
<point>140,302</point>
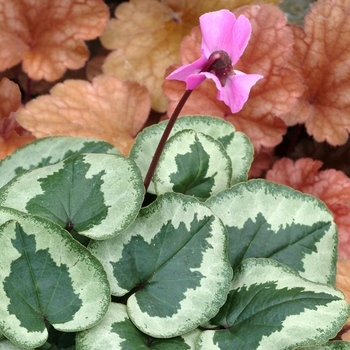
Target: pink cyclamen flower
<point>224,39</point>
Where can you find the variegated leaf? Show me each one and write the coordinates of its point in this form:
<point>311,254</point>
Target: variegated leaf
<point>237,145</point>
<point>174,259</point>
<point>271,307</point>
<point>331,345</point>
<point>47,277</point>
<point>117,332</point>
<point>47,151</point>
<point>95,195</point>
<point>266,220</point>
<point>193,164</point>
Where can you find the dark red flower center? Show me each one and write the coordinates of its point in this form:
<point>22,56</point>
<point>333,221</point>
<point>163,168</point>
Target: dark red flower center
<point>222,65</point>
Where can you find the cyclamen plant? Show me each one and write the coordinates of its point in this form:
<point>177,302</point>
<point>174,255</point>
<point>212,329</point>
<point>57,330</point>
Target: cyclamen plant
<point>213,262</point>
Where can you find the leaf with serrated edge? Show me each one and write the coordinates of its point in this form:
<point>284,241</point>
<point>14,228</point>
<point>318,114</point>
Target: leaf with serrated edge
<point>271,307</point>
<point>116,331</point>
<point>266,220</point>
<point>49,151</point>
<point>194,164</point>
<point>98,195</point>
<point>237,145</point>
<point>46,274</point>
<point>176,252</point>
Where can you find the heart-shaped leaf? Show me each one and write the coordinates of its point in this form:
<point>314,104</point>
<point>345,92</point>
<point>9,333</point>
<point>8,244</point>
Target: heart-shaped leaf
<point>47,277</point>
<point>95,195</point>
<point>271,307</point>
<point>175,256</point>
<point>266,220</point>
<point>194,164</point>
<point>236,144</point>
<point>116,331</point>
<point>49,151</point>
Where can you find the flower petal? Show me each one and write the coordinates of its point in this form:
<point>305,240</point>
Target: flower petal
<point>190,73</point>
<point>236,91</point>
<point>217,33</point>
<point>242,32</point>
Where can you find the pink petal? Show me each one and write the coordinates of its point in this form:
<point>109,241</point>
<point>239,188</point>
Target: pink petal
<point>218,33</point>
<point>184,72</point>
<point>236,91</point>
<point>242,32</point>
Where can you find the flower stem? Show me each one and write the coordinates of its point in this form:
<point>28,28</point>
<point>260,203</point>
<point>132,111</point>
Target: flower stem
<point>164,138</point>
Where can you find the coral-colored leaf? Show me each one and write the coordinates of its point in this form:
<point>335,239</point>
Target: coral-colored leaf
<point>107,109</point>
<point>343,282</point>
<point>322,57</point>
<point>12,135</point>
<point>10,98</point>
<point>331,186</point>
<point>47,35</point>
<point>268,51</point>
<point>11,141</point>
<point>146,35</point>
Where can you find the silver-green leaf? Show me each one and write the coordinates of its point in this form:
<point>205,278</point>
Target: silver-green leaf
<point>95,195</point>
<point>47,151</point>
<point>174,258</point>
<point>271,307</point>
<point>47,277</point>
<point>266,220</point>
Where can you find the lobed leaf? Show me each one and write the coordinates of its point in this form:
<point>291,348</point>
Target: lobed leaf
<point>47,277</point>
<point>47,151</point>
<point>175,256</point>
<point>266,220</point>
<point>95,195</point>
<point>107,108</point>
<point>116,331</point>
<point>271,307</point>
<point>236,144</point>
<point>194,164</point>
<point>47,47</point>
<point>321,57</point>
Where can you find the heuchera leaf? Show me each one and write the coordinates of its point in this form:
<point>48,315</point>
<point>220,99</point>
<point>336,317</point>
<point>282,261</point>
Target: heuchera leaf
<point>321,56</point>
<point>139,36</point>
<point>107,109</point>
<point>12,135</point>
<point>331,186</point>
<point>267,53</point>
<point>47,47</point>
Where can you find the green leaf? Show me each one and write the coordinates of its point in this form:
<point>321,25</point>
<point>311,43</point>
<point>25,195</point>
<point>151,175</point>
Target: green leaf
<point>7,345</point>
<point>116,331</point>
<point>95,195</point>
<point>331,345</point>
<point>175,254</point>
<point>47,151</point>
<point>266,220</point>
<point>47,277</point>
<point>193,164</point>
<point>236,144</point>
<point>271,307</point>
